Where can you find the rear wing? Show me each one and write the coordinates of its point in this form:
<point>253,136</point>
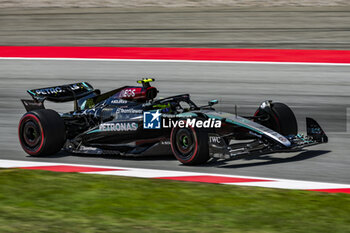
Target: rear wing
<point>63,93</point>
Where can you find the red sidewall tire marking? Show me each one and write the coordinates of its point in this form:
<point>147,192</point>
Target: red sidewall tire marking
<point>41,129</point>
<point>196,145</point>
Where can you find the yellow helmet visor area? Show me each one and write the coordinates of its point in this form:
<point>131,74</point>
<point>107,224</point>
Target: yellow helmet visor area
<point>145,80</point>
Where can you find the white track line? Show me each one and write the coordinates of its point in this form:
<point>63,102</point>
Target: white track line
<point>293,184</point>
<point>178,61</point>
<point>153,173</point>
<point>145,173</point>
<point>4,163</point>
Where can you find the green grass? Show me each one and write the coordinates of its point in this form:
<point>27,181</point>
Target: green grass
<point>41,201</point>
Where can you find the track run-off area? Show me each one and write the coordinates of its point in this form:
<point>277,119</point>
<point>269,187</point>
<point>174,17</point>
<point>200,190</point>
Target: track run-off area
<point>313,83</point>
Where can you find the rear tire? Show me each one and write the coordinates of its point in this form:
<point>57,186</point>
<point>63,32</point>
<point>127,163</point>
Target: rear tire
<point>41,132</point>
<point>281,120</point>
<point>190,145</point>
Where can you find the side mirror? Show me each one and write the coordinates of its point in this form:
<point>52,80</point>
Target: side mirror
<point>212,102</point>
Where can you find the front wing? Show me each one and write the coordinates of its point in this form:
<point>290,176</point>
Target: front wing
<point>221,148</point>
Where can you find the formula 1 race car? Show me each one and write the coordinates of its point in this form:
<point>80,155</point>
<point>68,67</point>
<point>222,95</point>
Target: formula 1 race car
<point>129,121</point>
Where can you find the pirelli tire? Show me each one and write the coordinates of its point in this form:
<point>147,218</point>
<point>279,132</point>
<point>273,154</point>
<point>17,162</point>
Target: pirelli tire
<point>41,132</point>
<point>281,119</point>
<point>190,145</point>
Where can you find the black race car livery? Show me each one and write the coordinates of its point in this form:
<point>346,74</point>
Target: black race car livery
<point>130,121</point>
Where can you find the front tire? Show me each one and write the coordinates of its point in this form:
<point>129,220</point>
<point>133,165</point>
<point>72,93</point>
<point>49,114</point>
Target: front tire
<point>41,132</point>
<point>280,119</point>
<point>190,145</point>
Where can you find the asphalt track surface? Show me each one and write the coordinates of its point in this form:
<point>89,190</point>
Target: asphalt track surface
<point>319,91</point>
<point>225,27</point>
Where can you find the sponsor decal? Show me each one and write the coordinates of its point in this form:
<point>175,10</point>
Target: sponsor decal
<point>282,139</point>
<point>129,110</point>
<point>119,101</point>
<point>151,120</point>
<point>255,134</point>
<point>162,106</point>
<point>55,90</point>
<point>315,130</point>
<point>118,126</point>
<point>128,93</point>
<point>74,87</point>
<point>165,142</point>
<point>214,139</point>
<point>48,91</point>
